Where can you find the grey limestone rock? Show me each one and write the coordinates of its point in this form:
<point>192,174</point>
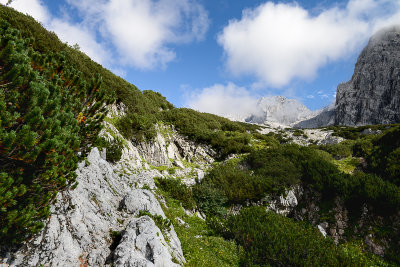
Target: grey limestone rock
<point>141,199</point>
<point>325,117</point>
<point>78,231</point>
<point>142,244</point>
<point>372,96</point>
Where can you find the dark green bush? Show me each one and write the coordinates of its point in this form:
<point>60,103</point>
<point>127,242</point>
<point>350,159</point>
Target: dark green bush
<point>237,185</point>
<point>177,190</point>
<point>384,159</point>
<point>363,147</point>
<point>271,239</point>
<point>113,148</point>
<point>49,116</point>
<point>209,199</point>
<point>137,127</point>
<point>339,151</point>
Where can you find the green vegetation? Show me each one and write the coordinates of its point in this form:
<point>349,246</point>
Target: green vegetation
<point>177,190</point>
<point>48,116</point>
<point>113,148</point>
<point>200,247</point>
<point>268,238</point>
<point>51,107</point>
<point>271,239</point>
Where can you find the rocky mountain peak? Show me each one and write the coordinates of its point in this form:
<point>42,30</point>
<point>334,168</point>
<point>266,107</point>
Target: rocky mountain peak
<point>279,109</point>
<point>372,96</point>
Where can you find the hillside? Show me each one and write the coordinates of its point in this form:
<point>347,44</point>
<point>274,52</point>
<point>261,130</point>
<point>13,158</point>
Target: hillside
<point>95,172</point>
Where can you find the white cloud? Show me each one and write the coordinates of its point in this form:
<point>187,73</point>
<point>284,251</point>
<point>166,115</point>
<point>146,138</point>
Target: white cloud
<point>138,33</point>
<point>75,33</point>
<point>143,30</point>
<point>228,100</point>
<point>280,42</point>
<point>34,8</point>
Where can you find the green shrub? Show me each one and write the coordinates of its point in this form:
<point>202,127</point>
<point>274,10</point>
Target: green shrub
<point>384,159</point>
<point>340,150</point>
<point>209,199</point>
<point>113,148</point>
<point>362,147</point>
<point>48,117</point>
<point>177,190</point>
<point>270,239</point>
<point>237,186</point>
<point>298,132</point>
<point>275,164</point>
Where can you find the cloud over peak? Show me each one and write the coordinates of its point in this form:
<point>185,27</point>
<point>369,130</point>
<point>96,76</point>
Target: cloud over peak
<point>280,42</point>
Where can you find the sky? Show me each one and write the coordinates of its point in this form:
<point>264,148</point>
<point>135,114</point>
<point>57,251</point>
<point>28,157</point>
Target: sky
<point>221,55</point>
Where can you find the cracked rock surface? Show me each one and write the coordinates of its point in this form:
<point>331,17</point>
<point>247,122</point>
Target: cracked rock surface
<point>372,96</point>
<point>79,229</point>
<point>142,244</point>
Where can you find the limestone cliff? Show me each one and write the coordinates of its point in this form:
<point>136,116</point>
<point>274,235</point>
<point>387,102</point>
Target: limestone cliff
<point>372,96</point>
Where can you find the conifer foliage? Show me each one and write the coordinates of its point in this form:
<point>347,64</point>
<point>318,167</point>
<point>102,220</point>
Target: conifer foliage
<point>48,118</point>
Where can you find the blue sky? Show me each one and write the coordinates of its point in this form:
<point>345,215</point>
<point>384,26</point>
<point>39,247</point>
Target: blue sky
<point>219,56</point>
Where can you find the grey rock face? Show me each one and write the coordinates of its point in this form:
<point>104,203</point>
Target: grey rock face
<point>141,199</point>
<point>169,145</point>
<point>372,96</point>
<point>142,244</point>
<point>78,231</point>
<point>325,117</point>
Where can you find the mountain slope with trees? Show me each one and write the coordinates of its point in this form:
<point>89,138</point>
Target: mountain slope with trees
<point>221,183</point>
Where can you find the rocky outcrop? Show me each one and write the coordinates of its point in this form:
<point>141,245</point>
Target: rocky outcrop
<point>287,202</point>
<point>79,229</point>
<point>169,147</point>
<point>99,224</point>
<point>372,96</point>
<point>325,117</point>
<point>142,244</point>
